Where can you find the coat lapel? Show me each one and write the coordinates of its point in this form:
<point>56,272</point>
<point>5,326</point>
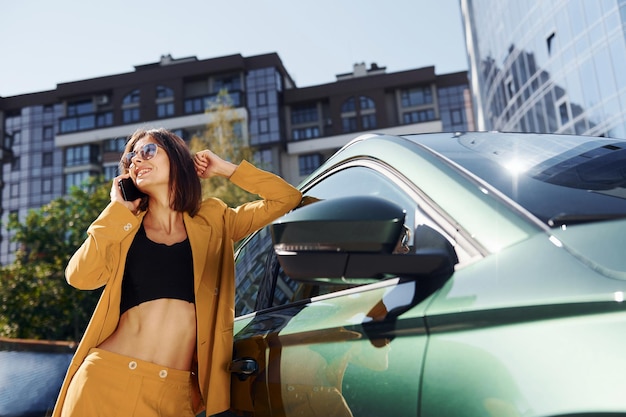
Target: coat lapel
<point>199,238</point>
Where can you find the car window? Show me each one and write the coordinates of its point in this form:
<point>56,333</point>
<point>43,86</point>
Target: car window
<point>250,267</point>
<point>261,283</point>
<point>350,181</point>
<point>256,270</point>
<point>560,179</point>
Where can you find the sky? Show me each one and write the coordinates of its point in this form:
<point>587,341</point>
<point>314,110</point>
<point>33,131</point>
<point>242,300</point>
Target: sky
<point>47,42</point>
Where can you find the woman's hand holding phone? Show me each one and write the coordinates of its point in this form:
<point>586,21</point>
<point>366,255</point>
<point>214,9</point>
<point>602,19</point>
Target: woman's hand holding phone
<point>130,192</point>
<point>124,190</point>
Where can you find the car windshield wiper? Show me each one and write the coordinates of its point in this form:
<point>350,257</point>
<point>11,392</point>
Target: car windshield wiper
<point>568,219</point>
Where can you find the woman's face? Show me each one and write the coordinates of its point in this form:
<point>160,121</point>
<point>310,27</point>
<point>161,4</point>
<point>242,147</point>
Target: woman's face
<point>150,166</point>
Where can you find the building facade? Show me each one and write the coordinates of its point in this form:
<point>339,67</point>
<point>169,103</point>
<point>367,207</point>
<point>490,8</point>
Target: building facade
<point>321,119</point>
<point>548,65</point>
<point>57,139</point>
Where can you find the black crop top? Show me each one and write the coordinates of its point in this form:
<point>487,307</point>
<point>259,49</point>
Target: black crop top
<point>155,270</point>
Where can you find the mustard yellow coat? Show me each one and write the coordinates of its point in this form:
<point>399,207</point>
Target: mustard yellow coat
<point>101,259</point>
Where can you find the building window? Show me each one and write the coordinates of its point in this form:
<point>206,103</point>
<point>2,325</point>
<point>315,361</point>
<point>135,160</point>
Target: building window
<point>77,179</point>
<point>456,115</point>
<point>348,124</point>
<point>131,98</point>
<point>165,101</point>
<point>263,159</point>
<point>305,133</point>
<point>104,119</point>
<point>115,145</point>
<point>46,186</point>
<point>452,108</point>
<point>264,126</point>
<point>366,103</point>
<point>368,121</point>
<point>510,89</point>
<point>110,172</point>
<point>194,105</point>
<point>228,83</point>
<point>48,133</point>
<point>79,108</point>
<point>81,116</point>
<point>204,103</point>
<point>164,92</point>
<point>350,114</point>
<point>130,107</point>
<point>304,113</point>
<point>419,116</point>
<point>15,163</point>
<point>261,98</point>
<point>418,96</point>
<point>309,163</point>
<point>15,190</point>
<point>130,115</point>
<point>165,110</point>
<point>12,139</point>
<point>348,106</point>
<point>563,113</point>
<point>47,159</point>
<point>81,155</point>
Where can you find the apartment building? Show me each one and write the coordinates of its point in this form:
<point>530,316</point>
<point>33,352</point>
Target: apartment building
<point>56,139</point>
<point>320,119</point>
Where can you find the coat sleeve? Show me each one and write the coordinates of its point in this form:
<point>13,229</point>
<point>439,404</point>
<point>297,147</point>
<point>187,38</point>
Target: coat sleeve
<point>96,260</point>
<point>277,198</point>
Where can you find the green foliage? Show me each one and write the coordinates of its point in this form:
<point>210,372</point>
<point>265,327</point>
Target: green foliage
<point>223,137</point>
<point>35,300</point>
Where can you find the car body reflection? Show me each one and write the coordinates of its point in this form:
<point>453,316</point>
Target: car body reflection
<point>304,365</point>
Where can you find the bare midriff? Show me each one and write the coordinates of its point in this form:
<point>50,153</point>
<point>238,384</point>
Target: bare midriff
<point>159,331</point>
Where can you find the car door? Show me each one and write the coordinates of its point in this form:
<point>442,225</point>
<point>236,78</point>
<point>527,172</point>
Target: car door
<point>327,350</point>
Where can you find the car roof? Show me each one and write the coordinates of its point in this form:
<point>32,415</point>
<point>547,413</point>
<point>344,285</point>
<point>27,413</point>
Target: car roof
<point>558,178</point>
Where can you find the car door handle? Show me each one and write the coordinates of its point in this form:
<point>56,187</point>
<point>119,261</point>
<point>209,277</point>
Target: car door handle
<point>243,367</point>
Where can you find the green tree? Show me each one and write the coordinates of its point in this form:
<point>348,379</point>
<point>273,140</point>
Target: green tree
<point>223,136</point>
<point>35,300</point>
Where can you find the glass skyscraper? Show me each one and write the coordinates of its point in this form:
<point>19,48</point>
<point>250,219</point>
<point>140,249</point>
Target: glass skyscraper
<point>548,65</point>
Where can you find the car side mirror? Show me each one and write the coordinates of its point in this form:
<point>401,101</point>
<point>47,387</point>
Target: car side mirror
<point>352,238</point>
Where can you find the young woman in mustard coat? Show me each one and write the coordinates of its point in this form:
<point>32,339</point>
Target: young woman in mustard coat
<point>160,340</point>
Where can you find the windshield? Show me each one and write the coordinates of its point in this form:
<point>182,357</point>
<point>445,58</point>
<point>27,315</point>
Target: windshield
<point>559,178</point>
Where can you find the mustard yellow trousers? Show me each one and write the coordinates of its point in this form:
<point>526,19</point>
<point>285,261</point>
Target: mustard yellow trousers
<point>113,385</point>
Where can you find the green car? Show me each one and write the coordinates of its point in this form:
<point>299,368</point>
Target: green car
<point>432,275</point>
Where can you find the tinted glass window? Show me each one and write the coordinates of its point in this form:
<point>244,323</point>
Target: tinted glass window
<point>560,179</point>
<point>260,281</point>
<point>347,182</point>
<point>565,179</point>
<point>250,265</point>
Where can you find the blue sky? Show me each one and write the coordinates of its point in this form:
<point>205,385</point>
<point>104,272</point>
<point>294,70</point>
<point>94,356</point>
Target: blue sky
<point>48,42</point>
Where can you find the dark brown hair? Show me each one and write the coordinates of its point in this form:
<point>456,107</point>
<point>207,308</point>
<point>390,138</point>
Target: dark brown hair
<point>184,183</point>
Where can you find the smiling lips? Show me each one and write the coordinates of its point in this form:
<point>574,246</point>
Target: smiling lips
<point>142,171</point>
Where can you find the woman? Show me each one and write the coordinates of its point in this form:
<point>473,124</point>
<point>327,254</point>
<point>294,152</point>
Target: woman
<point>160,340</point>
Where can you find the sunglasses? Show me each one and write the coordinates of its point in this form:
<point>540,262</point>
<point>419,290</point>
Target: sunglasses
<point>147,152</point>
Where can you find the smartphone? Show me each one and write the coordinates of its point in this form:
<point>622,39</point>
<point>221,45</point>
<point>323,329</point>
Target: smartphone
<point>130,192</point>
